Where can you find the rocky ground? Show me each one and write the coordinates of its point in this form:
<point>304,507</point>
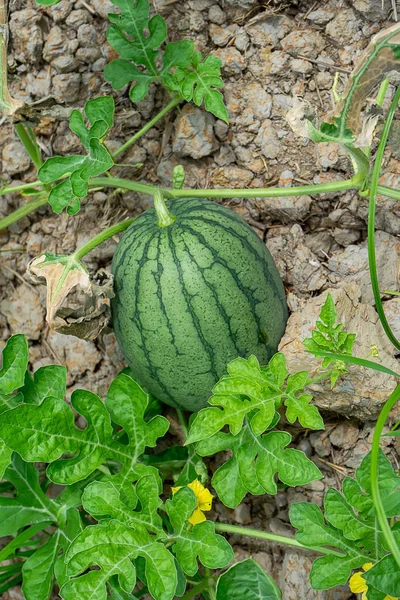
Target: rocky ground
<point>271,50</point>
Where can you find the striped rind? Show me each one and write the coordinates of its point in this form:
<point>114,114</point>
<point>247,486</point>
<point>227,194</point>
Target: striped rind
<point>193,296</point>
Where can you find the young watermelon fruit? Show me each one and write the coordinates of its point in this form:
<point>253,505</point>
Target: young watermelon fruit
<point>195,288</point>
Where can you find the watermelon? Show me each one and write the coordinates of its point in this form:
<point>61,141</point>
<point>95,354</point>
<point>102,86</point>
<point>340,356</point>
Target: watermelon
<point>192,296</point>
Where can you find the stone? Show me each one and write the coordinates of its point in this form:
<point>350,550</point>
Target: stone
<point>392,312</point>
<point>321,443</point>
<point>65,64</point>
<point>277,62</point>
<point>216,15</point>
<point>300,65</point>
<point>267,140</point>
<point>242,40</point>
<point>222,35</point>
<point>56,44</point>
<point>295,584</point>
<point>286,209</point>
<point>78,18</point>
<point>27,36</point>
<point>360,393</point>
<point>15,158</point>
<point>242,514</point>
<point>346,237</point>
<point>79,356</point>
<point>194,134</point>
<point>371,9</point>
<point>358,452</point>
<point>59,12</point>
<point>38,84</point>
<point>345,435</point>
<point>87,35</point>
<point>233,62</point>
<point>242,3</point>
<point>345,27</point>
<point>352,264</point>
<point>297,265</point>
<point>66,87</point>
<point>269,32</point>
<point>264,560</point>
<point>232,176</point>
<point>103,7</point>
<point>321,16</point>
<point>307,42</point>
<point>329,154</point>
<point>24,309</point>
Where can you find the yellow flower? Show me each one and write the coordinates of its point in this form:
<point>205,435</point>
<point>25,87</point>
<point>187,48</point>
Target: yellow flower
<point>358,585</point>
<point>203,501</point>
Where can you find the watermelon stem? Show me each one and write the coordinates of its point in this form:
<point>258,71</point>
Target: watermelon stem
<point>101,237</point>
<point>272,192</point>
<point>164,216</point>
<point>272,537</point>
<point>148,126</point>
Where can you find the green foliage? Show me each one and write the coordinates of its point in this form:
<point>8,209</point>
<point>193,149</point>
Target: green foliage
<point>348,524</point>
<point>330,337</point>
<point>246,580</point>
<point>254,462</point>
<point>80,168</point>
<point>254,392</point>
<point>137,39</point>
<point>46,432</point>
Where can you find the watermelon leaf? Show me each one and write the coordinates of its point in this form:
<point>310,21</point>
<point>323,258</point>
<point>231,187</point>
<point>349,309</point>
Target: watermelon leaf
<point>80,168</point>
<point>248,581</point>
<point>14,362</point>
<point>46,432</point>
<point>50,380</point>
<point>348,524</point>
<point>385,576</point>
<point>330,337</point>
<point>138,38</point>
<point>199,81</point>
<point>195,541</point>
<point>254,462</point>
<point>254,392</point>
<point>100,545</point>
<point>102,499</point>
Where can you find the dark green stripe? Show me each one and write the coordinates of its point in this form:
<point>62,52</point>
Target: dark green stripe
<point>218,259</point>
<point>206,345</point>
<point>244,240</point>
<point>213,291</point>
<point>136,319</point>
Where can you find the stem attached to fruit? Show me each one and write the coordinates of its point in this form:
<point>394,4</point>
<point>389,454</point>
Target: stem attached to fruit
<point>164,216</point>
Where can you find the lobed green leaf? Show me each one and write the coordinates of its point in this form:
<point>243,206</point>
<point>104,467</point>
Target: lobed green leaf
<point>195,541</point>
<point>80,168</point>
<point>254,462</point>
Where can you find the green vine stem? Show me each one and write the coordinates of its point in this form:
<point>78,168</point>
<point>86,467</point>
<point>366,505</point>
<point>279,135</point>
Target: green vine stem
<point>375,493</point>
<point>101,237</point>
<point>371,220</point>
<point>28,139</point>
<point>148,126</point>
<point>19,188</point>
<point>272,537</point>
<point>165,218</point>
<point>197,589</point>
<point>23,211</point>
